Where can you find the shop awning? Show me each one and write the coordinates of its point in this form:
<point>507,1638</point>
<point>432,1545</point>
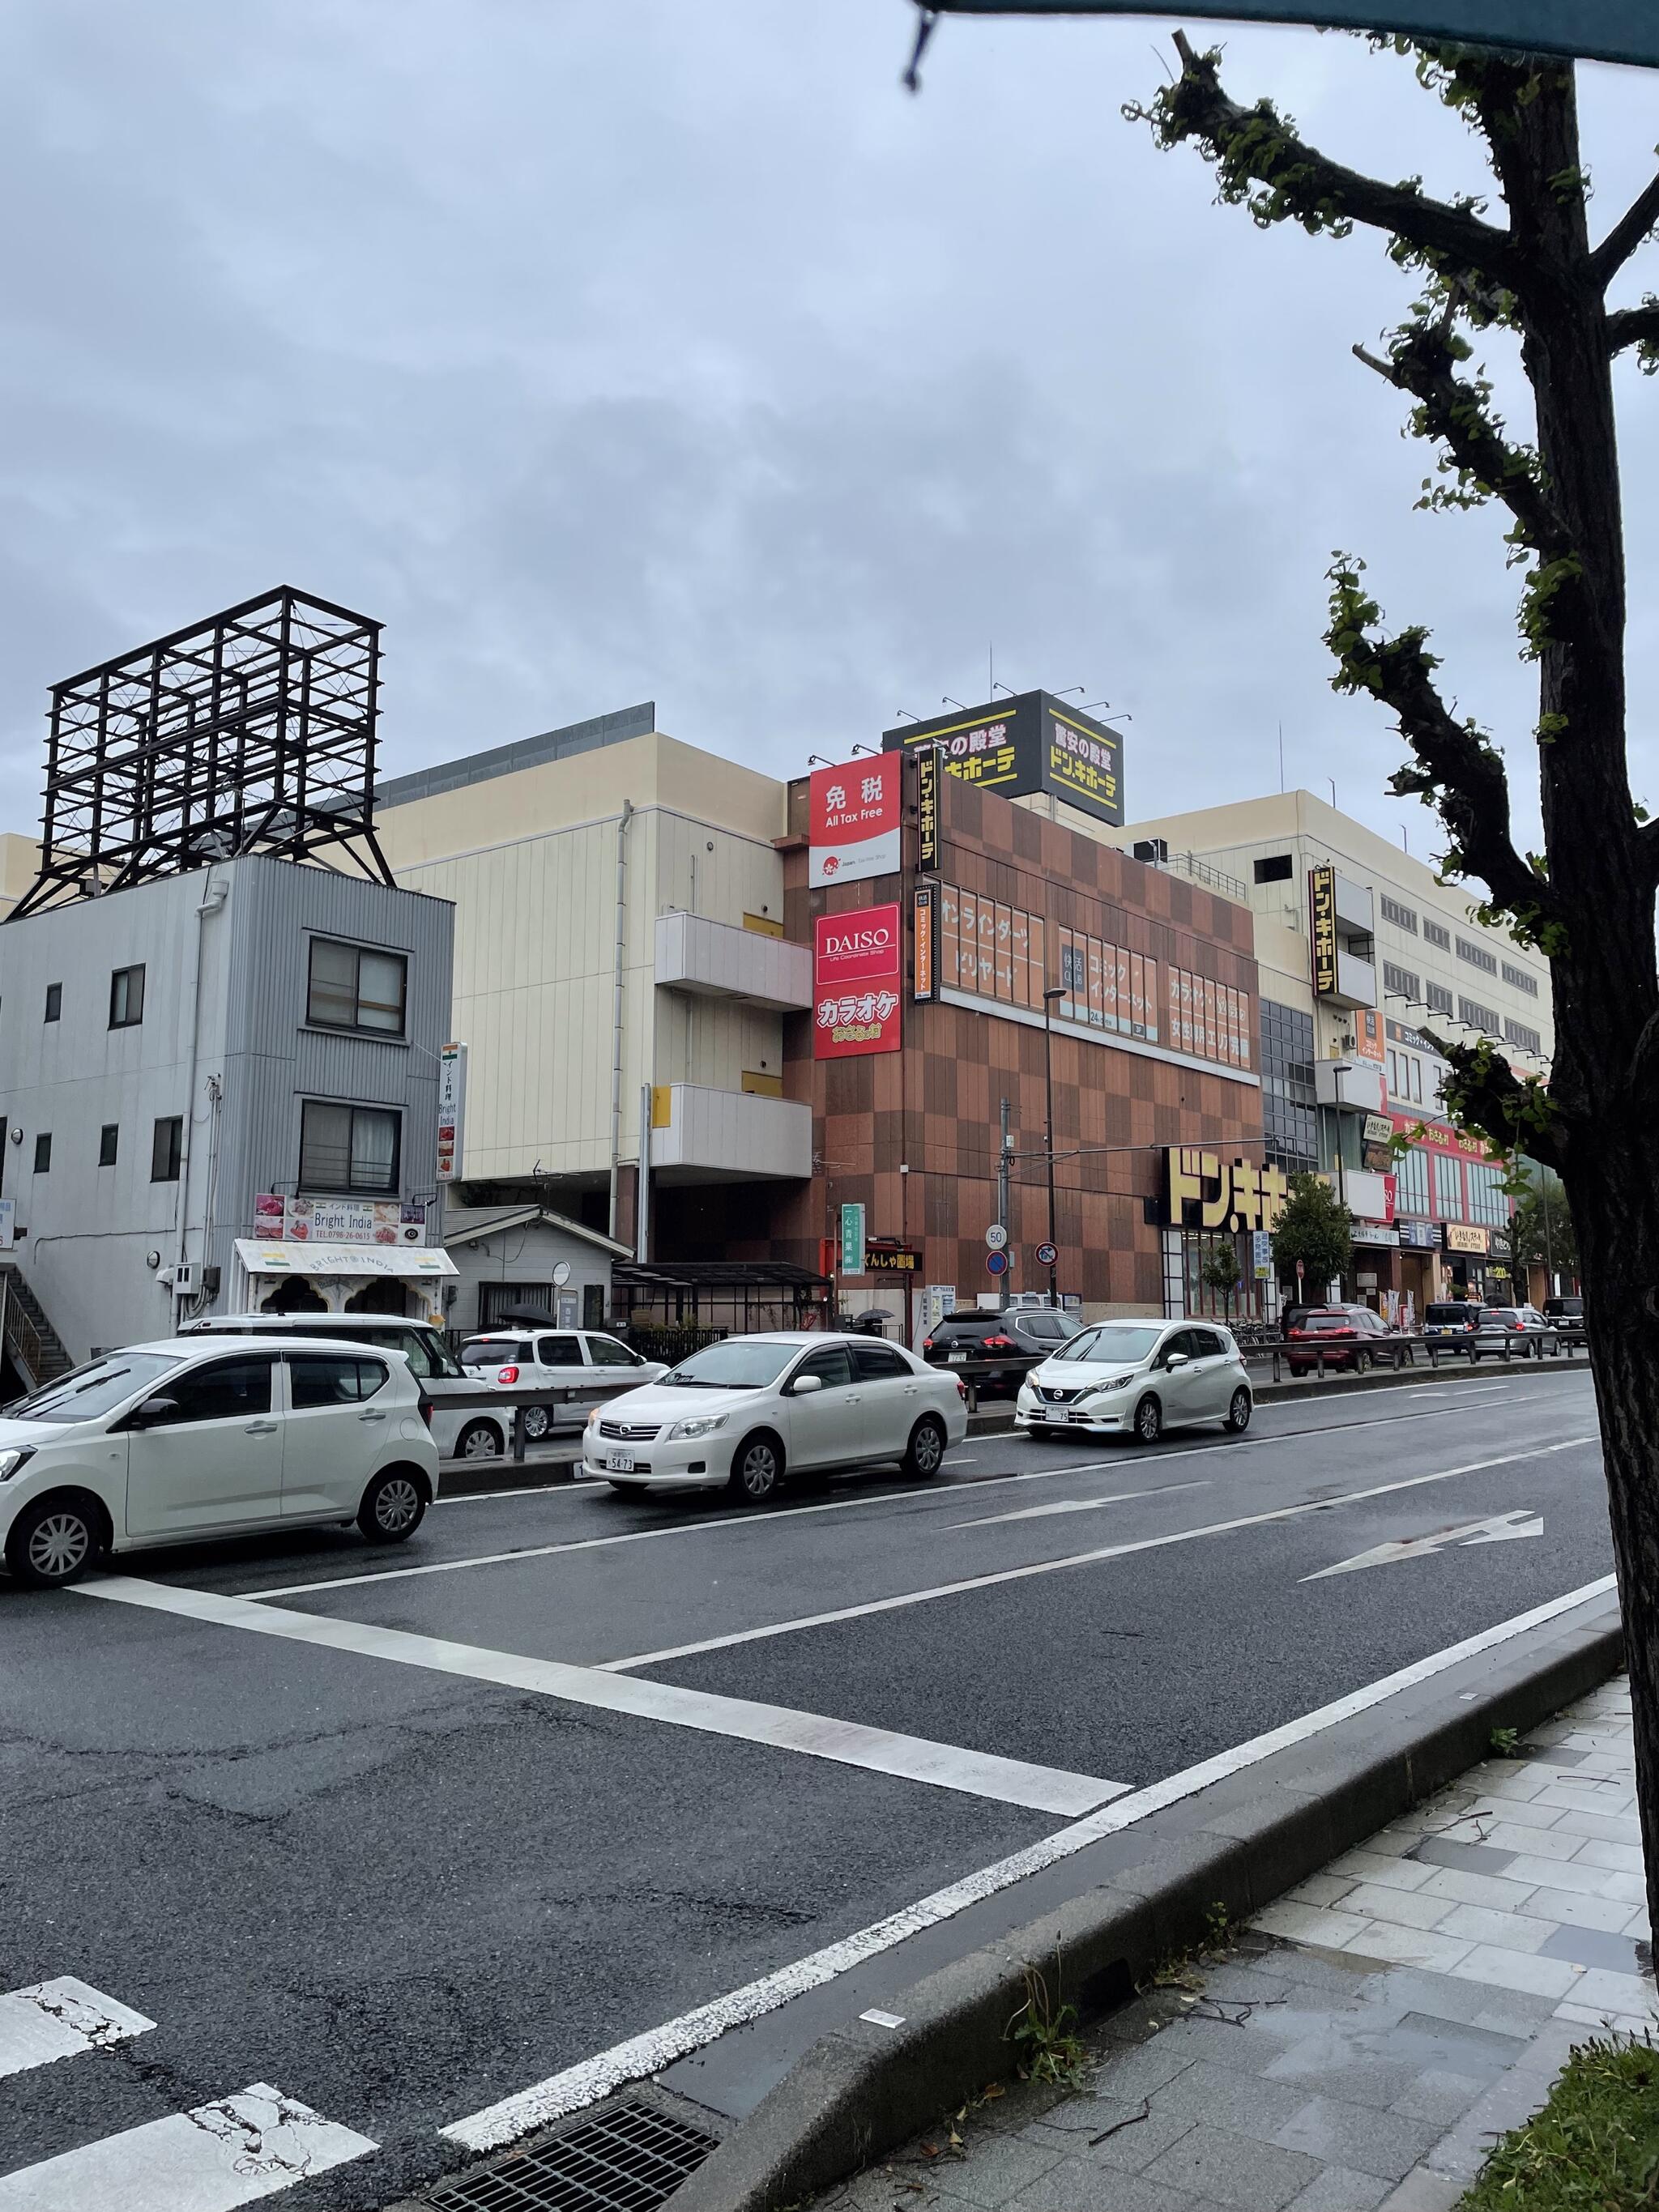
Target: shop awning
<point>399,1260</point>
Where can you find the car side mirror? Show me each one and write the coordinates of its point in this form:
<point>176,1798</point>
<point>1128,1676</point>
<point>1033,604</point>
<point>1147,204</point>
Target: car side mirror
<point>803,1383</point>
<point>152,1412</point>
<point>1176,1359</point>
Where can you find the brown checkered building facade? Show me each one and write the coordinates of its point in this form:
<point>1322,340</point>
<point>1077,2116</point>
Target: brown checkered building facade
<point>934,1105</point>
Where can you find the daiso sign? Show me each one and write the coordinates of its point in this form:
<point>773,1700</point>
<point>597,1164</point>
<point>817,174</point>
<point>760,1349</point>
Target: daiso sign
<point>856,965</point>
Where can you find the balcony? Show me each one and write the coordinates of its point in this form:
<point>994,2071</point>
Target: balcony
<point>713,959</point>
<point>702,1135</point>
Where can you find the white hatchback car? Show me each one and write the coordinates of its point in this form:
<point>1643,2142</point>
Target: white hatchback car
<point>195,1437</point>
<point>582,1357</point>
<point>1142,1376</point>
<point>742,1413</point>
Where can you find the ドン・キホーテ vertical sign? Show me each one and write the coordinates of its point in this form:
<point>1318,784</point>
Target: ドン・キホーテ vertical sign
<point>854,818</point>
<point>1322,918</point>
<point>856,970</point>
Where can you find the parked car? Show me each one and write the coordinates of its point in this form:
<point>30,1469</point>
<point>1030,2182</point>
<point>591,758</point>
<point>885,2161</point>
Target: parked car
<point>1143,1377</point>
<point>1013,1342</point>
<point>195,1437</point>
<point>1566,1317</point>
<point>462,1432</point>
<point>548,1358</point>
<point>1454,1322</point>
<point>749,1411</point>
<point>1340,1336</point>
<point>1523,1329</point>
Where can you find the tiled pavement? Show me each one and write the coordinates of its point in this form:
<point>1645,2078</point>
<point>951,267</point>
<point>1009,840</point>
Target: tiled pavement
<point>1368,2036</point>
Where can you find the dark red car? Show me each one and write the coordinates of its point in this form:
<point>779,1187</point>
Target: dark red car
<point>1348,1336</point>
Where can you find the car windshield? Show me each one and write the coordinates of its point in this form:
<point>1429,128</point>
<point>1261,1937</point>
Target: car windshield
<point>739,1363</point>
<point>1112,1344</point>
<point>86,1392</point>
<point>495,1352</point>
<point>1564,1305</point>
<point>1458,1314</point>
<point>1318,1321</point>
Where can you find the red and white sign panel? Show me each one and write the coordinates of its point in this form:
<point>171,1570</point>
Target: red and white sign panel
<point>855,817</point>
<point>855,983</point>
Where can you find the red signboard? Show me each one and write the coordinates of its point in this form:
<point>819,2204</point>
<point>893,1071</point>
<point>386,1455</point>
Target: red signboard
<point>854,820</point>
<point>855,983</point>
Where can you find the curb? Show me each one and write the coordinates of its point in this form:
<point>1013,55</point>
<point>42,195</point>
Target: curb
<point>862,2089</point>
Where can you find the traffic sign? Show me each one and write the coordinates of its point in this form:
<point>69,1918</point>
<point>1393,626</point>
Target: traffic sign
<point>1047,1255</point>
<point>997,1262</point>
<point>996,1237</point>
<point>1301,1269</point>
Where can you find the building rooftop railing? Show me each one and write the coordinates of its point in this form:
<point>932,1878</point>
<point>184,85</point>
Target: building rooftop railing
<point>1203,872</point>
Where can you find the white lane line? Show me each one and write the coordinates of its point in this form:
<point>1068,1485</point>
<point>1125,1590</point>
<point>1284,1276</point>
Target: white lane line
<point>59,2020</point>
<point>1072,1559</point>
<point>659,2047</point>
<point>911,1497</point>
<point>209,2160</point>
<point>911,1759</point>
<point>1070,1505</point>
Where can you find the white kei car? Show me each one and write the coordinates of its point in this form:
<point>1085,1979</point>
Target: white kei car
<point>745,1412</point>
<point>1143,1377</point>
<point>211,1436</point>
<point>583,1358</point>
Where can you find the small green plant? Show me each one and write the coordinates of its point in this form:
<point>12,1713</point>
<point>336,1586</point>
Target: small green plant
<point>1505,1743</point>
<point>1045,2035</point>
<point>1218,1928</point>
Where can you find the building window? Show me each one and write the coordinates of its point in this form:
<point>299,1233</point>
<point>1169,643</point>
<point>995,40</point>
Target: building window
<point>1489,1202</point>
<point>43,1152</point>
<point>1411,1183</point>
<point>1448,1186</point>
<point>1402,917</point>
<point>1477,956</point>
<point>1439,999</point>
<point>108,1138</point>
<point>166,1148</point>
<point>1288,1109</point>
<point>349,1148</point>
<point>1275,869</point>
<point>353,988</point>
<point>1433,934</point>
<point>126,998</point>
<point>54,1002</point>
<point>1528,1040</point>
<point>1520,979</point>
<point>1401,981</point>
<point>1478,1016</point>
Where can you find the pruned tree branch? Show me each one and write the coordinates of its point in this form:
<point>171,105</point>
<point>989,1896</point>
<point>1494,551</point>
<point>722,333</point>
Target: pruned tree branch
<point>1636,225</point>
<point>1635,326</point>
<point>1255,145</point>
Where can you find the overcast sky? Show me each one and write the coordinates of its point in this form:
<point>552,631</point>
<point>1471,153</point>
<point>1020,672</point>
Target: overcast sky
<point>669,350</point>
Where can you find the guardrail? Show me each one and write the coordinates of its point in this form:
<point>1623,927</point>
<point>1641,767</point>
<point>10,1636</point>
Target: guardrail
<point>522,1400</point>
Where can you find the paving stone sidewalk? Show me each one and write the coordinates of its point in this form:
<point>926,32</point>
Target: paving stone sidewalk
<point>1370,2034</point>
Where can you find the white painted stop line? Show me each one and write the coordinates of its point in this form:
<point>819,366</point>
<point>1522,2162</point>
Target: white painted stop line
<point>59,2020</point>
<point>209,2160</point>
<point>1501,1528</point>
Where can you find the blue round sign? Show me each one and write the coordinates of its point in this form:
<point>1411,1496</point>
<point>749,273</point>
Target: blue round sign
<point>996,1263</point>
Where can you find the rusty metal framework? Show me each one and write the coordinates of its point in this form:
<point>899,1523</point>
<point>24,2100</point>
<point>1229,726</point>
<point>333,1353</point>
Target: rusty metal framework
<point>253,732</point>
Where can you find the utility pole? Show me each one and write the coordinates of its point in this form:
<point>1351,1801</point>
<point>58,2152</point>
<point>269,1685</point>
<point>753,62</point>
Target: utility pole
<point>1052,992</point>
<point>1002,1190</point>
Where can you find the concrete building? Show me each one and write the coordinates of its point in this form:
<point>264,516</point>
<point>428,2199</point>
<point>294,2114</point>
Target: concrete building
<point>220,1089</point>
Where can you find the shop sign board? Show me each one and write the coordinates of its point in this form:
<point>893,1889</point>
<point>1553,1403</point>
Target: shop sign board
<point>1321,916</point>
<point>1373,1233</point>
<point>855,814</point>
<point>856,979</point>
<point>452,1109</point>
<point>1368,1035</point>
<point>1229,1194</point>
<point>383,1221</point>
<point>1379,1129</point>
<point>851,1240</point>
<point>1420,1235</point>
<point>927,843</point>
<point>923,970</point>
<point>885,1257</point>
<point>1464,1237</point>
<point>1261,1255</point>
<point>1025,744</point>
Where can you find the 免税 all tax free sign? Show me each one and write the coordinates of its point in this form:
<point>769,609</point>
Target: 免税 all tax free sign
<point>1599,30</point>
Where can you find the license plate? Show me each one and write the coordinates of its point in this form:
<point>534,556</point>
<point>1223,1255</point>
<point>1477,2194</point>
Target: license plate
<point>619,1462</point>
<point>958,1359</point>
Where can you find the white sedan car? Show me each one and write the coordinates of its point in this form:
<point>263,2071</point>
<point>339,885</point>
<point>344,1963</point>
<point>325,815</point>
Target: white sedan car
<point>211,1436</point>
<point>581,1357</point>
<point>1140,1376</point>
<point>743,1413</point>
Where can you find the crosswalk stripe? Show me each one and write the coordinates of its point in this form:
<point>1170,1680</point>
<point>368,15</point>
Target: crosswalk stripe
<point>209,2160</point>
<point>59,2020</point>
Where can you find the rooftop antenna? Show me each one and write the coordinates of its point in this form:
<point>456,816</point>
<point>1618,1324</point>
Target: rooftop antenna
<point>1281,755</point>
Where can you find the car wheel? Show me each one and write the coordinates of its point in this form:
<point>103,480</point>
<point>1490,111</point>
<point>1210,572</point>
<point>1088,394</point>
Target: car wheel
<point>926,1450</point>
<point>393,1506</point>
<point>1361,1363</point>
<point>1238,1413</point>
<point>53,1542</point>
<point>479,1440</point>
<point>536,1422</point>
<point>756,1468</point>
<point>1149,1421</point>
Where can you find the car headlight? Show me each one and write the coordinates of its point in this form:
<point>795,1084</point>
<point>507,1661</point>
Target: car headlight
<point>700,1425</point>
<point>11,1460</point>
<point>593,1418</point>
<point>1104,1390</point>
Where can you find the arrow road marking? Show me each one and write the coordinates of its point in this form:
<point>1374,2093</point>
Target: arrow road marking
<point>1502,1528</point>
<point>1073,1505</point>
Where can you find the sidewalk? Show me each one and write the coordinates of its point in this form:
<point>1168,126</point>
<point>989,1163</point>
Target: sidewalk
<point>1365,2038</point>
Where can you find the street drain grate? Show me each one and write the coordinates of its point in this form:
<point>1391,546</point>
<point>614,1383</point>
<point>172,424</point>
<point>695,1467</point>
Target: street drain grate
<point>630,2158</point>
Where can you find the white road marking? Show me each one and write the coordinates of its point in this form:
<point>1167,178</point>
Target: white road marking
<point>643,2054</point>
<point>59,2020</point>
<point>1072,1505</point>
<point>912,1758</point>
<point>913,1497</point>
<point>1502,1528</point>
<point>1072,1559</point>
<point>209,2160</point>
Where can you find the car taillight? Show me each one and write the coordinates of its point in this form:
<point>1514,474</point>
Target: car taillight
<point>962,1388</point>
<point>1000,1344</point>
<point>1299,1332</point>
<point>426,1411</point>
<point>508,1375</point>
<point>927,1343</point>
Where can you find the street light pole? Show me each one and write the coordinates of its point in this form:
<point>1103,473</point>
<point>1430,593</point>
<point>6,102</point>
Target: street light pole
<point>1051,993</point>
